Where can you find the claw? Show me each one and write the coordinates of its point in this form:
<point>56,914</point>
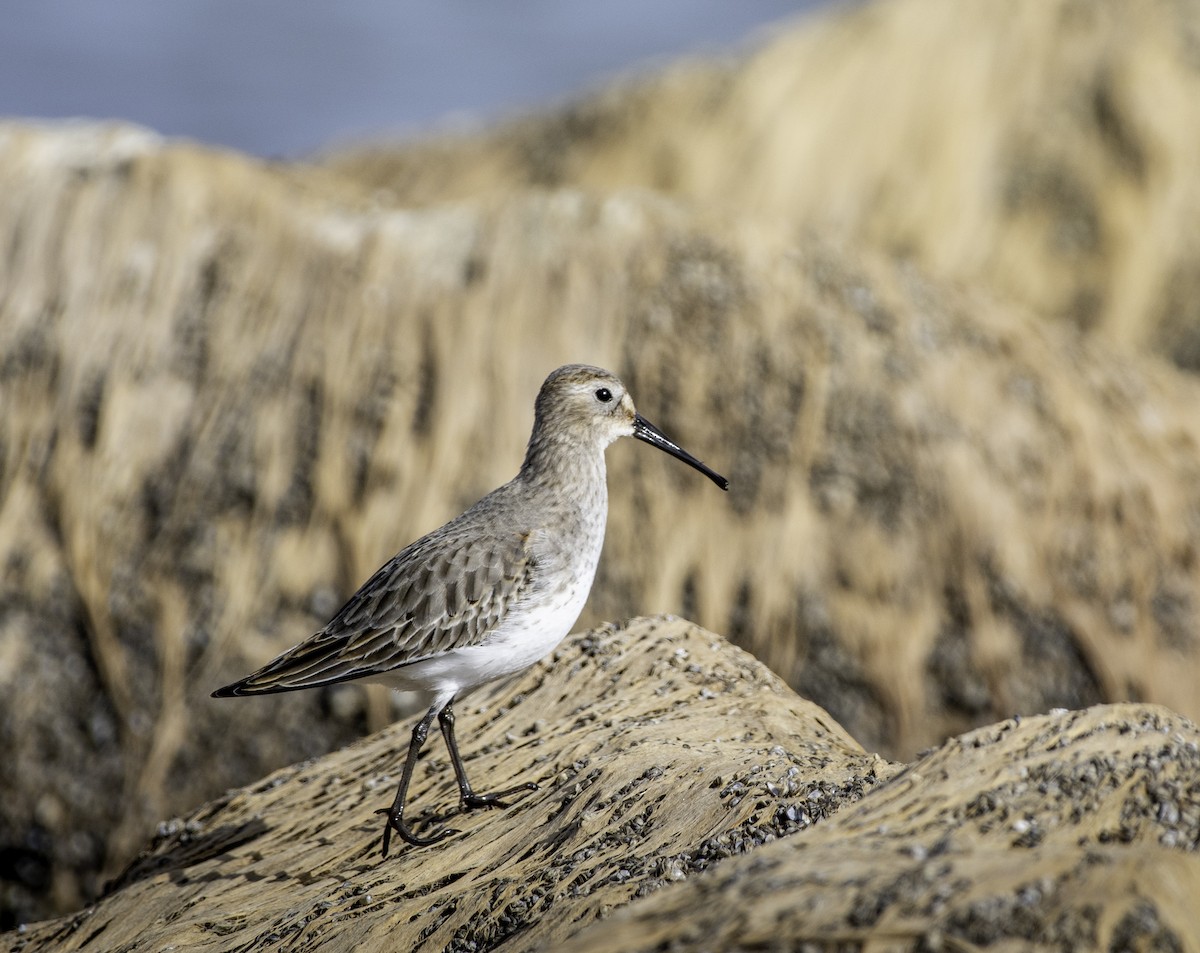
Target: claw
<point>472,801</point>
<point>395,822</point>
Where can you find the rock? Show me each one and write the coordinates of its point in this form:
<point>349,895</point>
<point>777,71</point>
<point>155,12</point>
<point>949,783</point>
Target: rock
<point>232,389</point>
<point>688,800</point>
<point>1074,830</point>
<point>656,747</point>
<point>1042,150</point>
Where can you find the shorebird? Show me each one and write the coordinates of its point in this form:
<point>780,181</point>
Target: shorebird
<point>490,592</point>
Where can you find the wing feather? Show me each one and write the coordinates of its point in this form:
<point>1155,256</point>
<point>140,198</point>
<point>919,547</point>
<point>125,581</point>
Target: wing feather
<point>441,592</point>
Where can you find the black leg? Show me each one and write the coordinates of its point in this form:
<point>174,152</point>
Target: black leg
<point>395,816</point>
<point>469,798</point>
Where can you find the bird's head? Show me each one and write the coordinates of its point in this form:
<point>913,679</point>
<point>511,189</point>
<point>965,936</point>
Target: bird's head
<point>589,405</point>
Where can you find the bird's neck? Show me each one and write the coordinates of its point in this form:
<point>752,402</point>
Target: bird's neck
<point>558,464</point>
<point>565,480</point>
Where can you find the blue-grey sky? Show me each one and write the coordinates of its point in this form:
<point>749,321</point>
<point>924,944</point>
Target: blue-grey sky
<point>286,77</point>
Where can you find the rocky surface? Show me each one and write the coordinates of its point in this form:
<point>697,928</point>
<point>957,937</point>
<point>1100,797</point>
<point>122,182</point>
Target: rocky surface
<point>689,801</point>
<point>653,746</point>
<point>1042,149</point>
<point>901,299</point>
<point>232,390</point>
<point>1071,831</point>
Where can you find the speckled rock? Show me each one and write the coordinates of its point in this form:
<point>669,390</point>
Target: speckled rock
<point>659,749</point>
<point>688,800</point>
<point>1070,831</point>
<point>231,389</point>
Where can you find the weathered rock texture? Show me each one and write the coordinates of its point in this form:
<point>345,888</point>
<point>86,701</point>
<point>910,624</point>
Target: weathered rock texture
<point>1042,148</point>
<point>661,750</point>
<point>231,390</point>
<point>652,745</point>
<point>1077,830</point>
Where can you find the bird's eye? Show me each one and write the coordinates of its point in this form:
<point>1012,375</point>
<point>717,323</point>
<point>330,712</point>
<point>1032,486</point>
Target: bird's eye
<point>604,395</point>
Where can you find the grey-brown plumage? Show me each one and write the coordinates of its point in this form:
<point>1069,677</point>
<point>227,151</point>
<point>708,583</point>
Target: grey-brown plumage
<point>447,590</point>
<point>490,592</point>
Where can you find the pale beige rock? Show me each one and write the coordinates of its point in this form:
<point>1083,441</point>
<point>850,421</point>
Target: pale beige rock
<point>1076,830</point>
<point>652,744</point>
<point>233,389</point>
<point>1041,148</point>
<point>689,801</point>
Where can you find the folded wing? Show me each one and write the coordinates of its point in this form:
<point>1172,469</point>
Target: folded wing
<point>439,593</point>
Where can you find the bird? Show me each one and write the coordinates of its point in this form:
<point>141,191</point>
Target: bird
<point>489,593</point>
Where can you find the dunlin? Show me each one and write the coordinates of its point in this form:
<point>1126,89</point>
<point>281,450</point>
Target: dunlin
<point>489,593</point>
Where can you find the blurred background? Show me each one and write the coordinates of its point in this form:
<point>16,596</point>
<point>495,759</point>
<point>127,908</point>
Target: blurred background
<point>276,78</point>
<point>923,279</point>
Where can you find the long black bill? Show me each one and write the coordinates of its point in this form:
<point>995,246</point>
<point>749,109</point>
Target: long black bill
<point>644,430</point>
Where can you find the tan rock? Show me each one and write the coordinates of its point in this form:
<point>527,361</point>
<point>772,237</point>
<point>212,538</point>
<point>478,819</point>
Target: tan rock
<point>232,389</point>
<point>653,744</point>
<point>1041,148</point>
<point>662,751</point>
<point>1075,830</point>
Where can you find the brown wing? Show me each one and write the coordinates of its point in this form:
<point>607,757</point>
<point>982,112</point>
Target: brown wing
<point>438,593</point>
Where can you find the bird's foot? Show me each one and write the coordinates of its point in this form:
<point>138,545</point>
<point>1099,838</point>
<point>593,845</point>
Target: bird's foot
<point>473,801</point>
<point>395,822</point>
